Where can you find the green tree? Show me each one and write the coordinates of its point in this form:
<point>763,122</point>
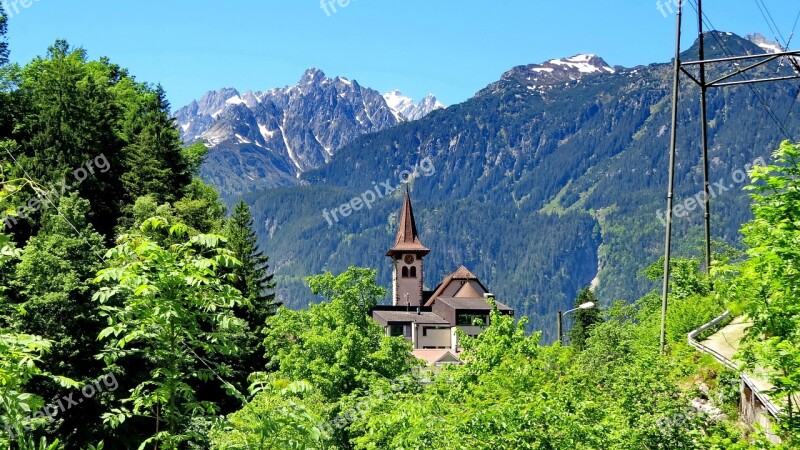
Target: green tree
<point>769,285</point>
<point>52,296</point>
<point>69,117</point>
<point>3,38</point>
<point>334,347</point>
<point>20,358</point>
<point>53,281</point>
<point>584,319</point>
<point>277,418</point>
<point>156,164</point>
<point>200,208</point>
<point>253,280</point>
<point>168,305</point>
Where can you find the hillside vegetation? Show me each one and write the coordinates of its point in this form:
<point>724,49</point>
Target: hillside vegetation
<point>136,313</point>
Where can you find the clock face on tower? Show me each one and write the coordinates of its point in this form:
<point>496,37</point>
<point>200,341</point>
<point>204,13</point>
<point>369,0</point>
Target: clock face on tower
<point>409,259</point>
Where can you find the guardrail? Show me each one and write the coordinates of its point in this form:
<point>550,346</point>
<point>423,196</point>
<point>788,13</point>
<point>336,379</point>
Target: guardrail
<point>696,344</point>
<point>771,408</point>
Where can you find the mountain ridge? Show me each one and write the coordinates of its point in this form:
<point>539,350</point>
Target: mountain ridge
<point>575,167</point>
<point>261,140</point>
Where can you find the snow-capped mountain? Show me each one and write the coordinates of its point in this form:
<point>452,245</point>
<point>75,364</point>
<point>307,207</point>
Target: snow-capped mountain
<point>554,72</point>
<point>406,109</point>
<point>765,44</point>
<point>200,115</point>
<point>266,139</point>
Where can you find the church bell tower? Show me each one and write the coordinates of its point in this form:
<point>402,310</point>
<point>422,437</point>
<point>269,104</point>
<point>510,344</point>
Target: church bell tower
<point>407,254</point>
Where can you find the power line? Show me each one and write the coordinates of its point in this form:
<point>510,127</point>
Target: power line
<point>729,53</point>
<point>776,31</point>
<point>791,107</point>
<point>794,27</point>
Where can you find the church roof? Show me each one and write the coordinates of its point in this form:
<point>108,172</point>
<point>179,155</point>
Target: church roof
<point>407,237</point>
<point>473,304</point>
<point>464,274</point>
<point>461,274</point>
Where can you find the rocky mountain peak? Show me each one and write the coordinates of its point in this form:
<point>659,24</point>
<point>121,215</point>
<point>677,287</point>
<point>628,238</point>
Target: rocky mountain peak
<point>312,76</point>
<point>767,45</point>
<point>407,110</point>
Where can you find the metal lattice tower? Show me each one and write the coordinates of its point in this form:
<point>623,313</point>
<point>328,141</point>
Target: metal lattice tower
<point>702,65</point>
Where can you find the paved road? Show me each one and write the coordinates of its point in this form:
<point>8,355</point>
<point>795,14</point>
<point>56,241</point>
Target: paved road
<point>726,342</point>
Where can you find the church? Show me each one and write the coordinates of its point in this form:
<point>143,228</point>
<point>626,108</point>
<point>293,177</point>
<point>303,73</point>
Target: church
<point>429,319</point>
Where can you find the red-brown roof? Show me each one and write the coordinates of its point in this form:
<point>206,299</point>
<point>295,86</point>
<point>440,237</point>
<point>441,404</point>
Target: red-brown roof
<point>407,238</point>
<point>461,274</point>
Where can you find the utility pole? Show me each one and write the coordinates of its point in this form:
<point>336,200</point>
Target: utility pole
<point>704,133</point>
<point>673,148</point>
<point>560,333</point>
<point>702,64</point>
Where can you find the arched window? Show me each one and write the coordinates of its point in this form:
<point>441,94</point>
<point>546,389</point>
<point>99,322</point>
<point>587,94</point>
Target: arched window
<point>405,272</point>
<point>413,272</point>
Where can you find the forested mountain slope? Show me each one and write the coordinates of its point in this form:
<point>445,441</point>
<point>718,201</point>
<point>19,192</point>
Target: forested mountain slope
<point>546,180</point>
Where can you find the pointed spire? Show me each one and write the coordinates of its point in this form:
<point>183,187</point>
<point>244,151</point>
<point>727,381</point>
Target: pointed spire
<point>407,238</point>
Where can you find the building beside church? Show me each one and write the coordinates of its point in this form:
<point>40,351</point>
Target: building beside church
<point>429,319</point>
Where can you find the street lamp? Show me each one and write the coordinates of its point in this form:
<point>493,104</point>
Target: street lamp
<point>587,305</point>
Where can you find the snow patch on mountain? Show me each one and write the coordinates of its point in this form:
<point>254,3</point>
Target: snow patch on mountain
<point>584,64</point>
<point>405,108</point>
<point>552,74</point>
<point>765,44</point>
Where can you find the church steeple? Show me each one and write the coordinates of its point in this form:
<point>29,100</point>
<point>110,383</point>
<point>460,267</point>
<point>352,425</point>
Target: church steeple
<point>407,238</point>
<point>407,254</point>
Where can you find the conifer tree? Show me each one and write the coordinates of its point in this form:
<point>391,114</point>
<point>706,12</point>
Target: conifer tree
<point>155,163</point>
<point>253,281</point>
<point>52,292</point>
<point>3,37</point>
<point>584,319</point>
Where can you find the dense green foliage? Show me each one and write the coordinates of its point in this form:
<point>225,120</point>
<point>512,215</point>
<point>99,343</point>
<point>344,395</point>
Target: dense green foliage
<point>585,319</point>
<point>334,350</point>
<point>165,305</point>
<point>128,272</point>
<point>768,282</point>
<point>115,266</point>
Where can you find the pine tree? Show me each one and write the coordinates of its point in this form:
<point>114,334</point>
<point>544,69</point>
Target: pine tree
<point>155,162</point>
<point>584,319</point>
<point>252,279</point>
<point>3,37</point>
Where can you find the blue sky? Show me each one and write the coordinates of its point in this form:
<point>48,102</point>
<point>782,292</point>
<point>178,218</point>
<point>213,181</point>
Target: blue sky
<point>450,48</point>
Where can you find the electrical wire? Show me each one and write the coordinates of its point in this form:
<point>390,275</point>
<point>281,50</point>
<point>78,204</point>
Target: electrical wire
<point>772,29</point>
<point>771,22</point>
<point>791,107</point>
<point>729,53</point>
<point>794,27</point>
